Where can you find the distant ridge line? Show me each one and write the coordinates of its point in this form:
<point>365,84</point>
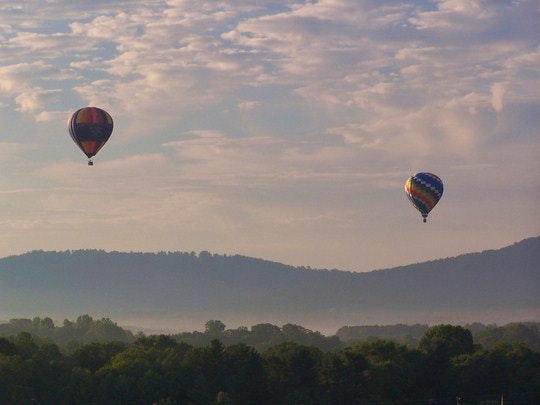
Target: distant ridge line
<point>492,286</point>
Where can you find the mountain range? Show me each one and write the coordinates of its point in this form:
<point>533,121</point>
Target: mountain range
<point>175,291</point>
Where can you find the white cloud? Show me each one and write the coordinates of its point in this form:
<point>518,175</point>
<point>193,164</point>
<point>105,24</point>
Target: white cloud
<point>181,56</point>
<point>17,84</point>
<point>455,15</point>
<point>356,134</point>
<point>248,105</point>
<point>207,133</point>
<point>240,112</point>
<point>107,27</point>
<point>497,91</point>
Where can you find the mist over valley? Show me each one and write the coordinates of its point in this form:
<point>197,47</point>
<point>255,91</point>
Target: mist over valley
<point>175,291</point>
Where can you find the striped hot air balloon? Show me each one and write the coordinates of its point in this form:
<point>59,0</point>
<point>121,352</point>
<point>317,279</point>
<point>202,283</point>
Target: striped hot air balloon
<point>424,191</point>
<point>90,128</point>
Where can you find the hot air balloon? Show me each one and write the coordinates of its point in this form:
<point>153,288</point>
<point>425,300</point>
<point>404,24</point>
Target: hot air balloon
<point>90,128</point>
<point>424,191</point>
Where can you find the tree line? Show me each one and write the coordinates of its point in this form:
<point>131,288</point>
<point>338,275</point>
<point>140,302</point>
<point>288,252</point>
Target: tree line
<point>84,329</point>
<point>526,333</point>
<point>71,334</point>
<point>446,367</point>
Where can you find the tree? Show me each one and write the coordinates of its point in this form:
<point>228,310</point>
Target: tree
<point>93,356</point>
<point>246,381</point>
<point>264,335</point>
<point>526,334</point>
<point>26,347</point>
<point>161,342</point>
<point>292,373</point>
<point>393,372</point>
<point>442,342</point>
<point>223,399</point>
<point>131,376</point>
<point>511,370</point>
<point>214,328</point>
<point>206,371</point>
<point>342,375</point>
<point>7,347</point>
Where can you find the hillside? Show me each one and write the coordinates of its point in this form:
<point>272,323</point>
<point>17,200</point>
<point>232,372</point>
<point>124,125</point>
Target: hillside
<point>183,290</point>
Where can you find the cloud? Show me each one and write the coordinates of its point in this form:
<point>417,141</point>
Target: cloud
<point>106,27</point>
<point>356,134</point>
<point>497,91</point>
<point>251,114</point>
<point>454,15</point>
<point>248,105</point>
<point>179,57</point>
<point>12,150</point>
<point>36,99</point>
<point>207,133</point>
<point>17,84</point>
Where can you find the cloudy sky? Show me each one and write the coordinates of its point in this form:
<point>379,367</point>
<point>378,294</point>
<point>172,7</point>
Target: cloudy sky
<point>280,129</point>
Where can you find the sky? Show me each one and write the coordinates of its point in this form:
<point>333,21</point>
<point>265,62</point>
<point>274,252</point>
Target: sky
<point>277,129</point>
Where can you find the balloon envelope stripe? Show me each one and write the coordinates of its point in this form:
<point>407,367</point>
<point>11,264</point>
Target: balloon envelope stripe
<point>91,148</point>
<point>90,128</point>
<point>92,116</point>
<point>424,191</point>
<point>431,187</point>
<point>424,199</point>
<point>424,194</point>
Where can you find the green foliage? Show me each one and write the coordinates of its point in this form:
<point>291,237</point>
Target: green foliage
<point>7,347</point>
<point>214,328</point>
<point>394,370</point>
<point>292,372</point>
<point>162,370</point>
<point>504,369</point>
<point>439,345</point>
<point>261,336</point>
<point>407,334</point>
<point>85,329</point>
<point>94,356</point>
<point>342,376</point>
<point>528,334</point>
<point>442,342</point>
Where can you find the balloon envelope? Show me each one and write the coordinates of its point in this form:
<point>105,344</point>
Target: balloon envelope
<point>424,191</point>
<point>90,128</point>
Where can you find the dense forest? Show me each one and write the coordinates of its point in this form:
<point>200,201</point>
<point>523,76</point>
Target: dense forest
<point>85,329</point>
<point>96,361</point>
<point>292,365</point>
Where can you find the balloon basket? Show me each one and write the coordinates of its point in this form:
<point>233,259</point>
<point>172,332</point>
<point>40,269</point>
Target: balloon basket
<point>90,163</point>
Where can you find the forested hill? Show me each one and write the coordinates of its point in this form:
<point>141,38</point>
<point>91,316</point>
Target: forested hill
<point>138,285</point>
